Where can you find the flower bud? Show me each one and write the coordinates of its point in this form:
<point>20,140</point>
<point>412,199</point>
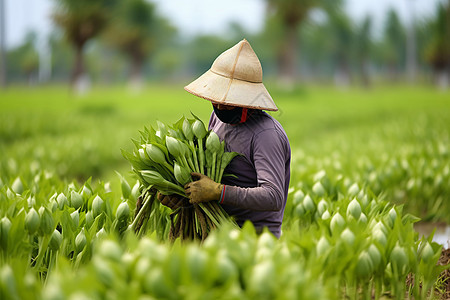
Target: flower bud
<point>32,221</point>
<point>353,190</point>
<point>110,250</point>
<point>308,203</point>
<point>97,206</point>
<point>318,189</point>
<point>47,222</point>
<point>55,240</point>
<point>17,186</point>
<point>135,190</point>
<point>174,147</point>
<point>76,201</point>
<point>89,219</point>
<point>87,193</point>
<point>61,200</point>
<point>155,154</point>
<point>213,142</point>
<point>427,252</point>
<point>379,236</point>
<point>75,216</point>
<point>392,215</point>
<point>322,246</point>
<point>123,211</point>
<point>326,215</point>
<point>375,255</point>
<point>354,209</point>
<point>5,226</point>
<point>299,210</point>
<point>187,130</point>
<point>348,236</point>
<point>337,222</point>
<point>199,129</point>
<point>364,265</point>
<point>399,258</point>
<point>162,129</point>
<point>322,206</point>
<point>182,175</point>
<point>126,189</point>
<point>152,177</point>
<point>80,241</point>
<point>298,197</point>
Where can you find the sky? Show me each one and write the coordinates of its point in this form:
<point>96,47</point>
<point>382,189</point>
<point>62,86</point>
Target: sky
<point>201,16</point>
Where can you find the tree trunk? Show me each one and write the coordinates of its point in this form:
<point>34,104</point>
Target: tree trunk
<point>79,81</point>
<point>342,74</point>
<point>287,56</point>
<point>411,48</point>
<point>363,65</point>
<point>136,80</point>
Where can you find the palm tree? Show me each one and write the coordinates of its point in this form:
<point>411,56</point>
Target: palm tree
<point>81,20</point>
<point>137,31</point>
<point>291,14</point>
<point>342,38</point>
<point>394,44</point>
<point>364,44</point>
<point>438,52</point>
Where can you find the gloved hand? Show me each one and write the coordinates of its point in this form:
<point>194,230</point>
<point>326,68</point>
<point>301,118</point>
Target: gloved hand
<point>202,189</point>
<point>171,201</point>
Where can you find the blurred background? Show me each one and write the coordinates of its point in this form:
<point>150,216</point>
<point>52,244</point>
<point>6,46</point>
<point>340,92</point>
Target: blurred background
<point>109,42</point>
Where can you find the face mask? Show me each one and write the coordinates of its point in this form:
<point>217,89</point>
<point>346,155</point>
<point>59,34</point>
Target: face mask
<point>232,116</point>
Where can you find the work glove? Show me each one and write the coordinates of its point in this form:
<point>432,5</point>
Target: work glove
<point>202,189</point>
<point>171,201</point>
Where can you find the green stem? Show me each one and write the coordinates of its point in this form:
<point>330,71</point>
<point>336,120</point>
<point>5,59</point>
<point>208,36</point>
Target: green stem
<point>378,288</point>
<point>208,213</point>
<point>213,165</point>
<point>191,164</point>
<point>42,250</point>
<point>201,155</point>
<point>194,154</point>
<point>218,169</point>
<point>169,167</point>
<point>149,199</point>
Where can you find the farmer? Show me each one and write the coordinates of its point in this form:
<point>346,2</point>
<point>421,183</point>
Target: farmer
<point>258,193</point>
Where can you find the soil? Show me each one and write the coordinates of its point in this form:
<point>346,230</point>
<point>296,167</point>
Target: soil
<point>445,275</point>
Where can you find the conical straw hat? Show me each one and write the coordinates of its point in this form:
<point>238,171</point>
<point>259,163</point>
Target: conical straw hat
<point>235,79</point>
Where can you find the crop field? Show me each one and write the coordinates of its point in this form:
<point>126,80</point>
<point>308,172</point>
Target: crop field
<point>366,166</point>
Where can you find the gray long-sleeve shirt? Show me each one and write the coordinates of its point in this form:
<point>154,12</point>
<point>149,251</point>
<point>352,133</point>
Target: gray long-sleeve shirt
<point>260,190</point>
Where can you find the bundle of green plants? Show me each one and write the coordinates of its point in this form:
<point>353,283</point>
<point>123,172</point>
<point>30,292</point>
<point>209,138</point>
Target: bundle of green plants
<point>163,160</point>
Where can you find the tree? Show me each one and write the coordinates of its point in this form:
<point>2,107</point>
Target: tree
<point>62,58</point>
<point>81,20</point>
<point>291,14</point>
<point>204,49</point>
<point>438,52</point>
<point>342,37</point>
<point>363,44</point>
<point>137,31</point>
<point>394,44</point>
<point>2,44</point>
<point>411,45</point>
<point>24,60</point>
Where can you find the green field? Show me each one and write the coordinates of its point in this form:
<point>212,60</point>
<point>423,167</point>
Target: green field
<point>385,146</point>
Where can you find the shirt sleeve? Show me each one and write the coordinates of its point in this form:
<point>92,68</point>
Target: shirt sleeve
<point>270,153</point>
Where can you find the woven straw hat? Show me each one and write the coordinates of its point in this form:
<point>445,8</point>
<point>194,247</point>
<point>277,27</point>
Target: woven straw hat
<point>235,79</point>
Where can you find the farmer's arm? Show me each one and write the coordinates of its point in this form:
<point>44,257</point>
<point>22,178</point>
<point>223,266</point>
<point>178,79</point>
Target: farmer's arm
<point>270,155</point>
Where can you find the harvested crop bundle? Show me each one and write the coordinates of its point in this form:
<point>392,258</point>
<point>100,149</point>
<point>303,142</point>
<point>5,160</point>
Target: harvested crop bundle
<point>163,160</point>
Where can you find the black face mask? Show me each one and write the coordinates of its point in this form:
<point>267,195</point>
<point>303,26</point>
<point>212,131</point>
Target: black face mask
<point>232,116</point>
